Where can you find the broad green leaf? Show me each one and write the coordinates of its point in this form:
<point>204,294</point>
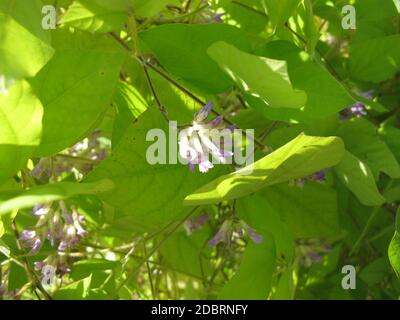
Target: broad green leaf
<point>375,50</point>
<point>88,16</point>
<point>258,213</point>
<point>325,95</point>
<point>362,140</point>
<point>75,88</point>
<point>24,44</point>
<point>75,291</point>
<point>264,78</point>
<point>358,178</point>
<point>99,269</point>
<point>17,277</point>
<point>186,55</point>
<point>249,20</point>
<point>394,247</point>
<point>20,128</point>
<point>299,158</point>
<point>310,211</point>
<point>186,253</point>
<point>130,105</point>
<point>253,279</point>
<point>374,272</point>
<point>280,11</point>
<point>53,192</point>
<point>375,60</point>
<point>375,18</point>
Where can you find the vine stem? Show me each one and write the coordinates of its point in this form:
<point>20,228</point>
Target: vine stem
<point>133,273</point>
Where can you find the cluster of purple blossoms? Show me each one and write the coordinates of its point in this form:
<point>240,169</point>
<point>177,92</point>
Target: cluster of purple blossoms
<point>197,142</point>
<point>358,109</point>
<point>92,149</point>
<point>227,230</point>
<point>56,225</point>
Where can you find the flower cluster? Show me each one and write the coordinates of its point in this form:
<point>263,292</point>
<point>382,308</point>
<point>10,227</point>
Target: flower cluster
<point>80,159</point>
<point>57,225</point>
<point>197,142</point>
<point>229,228</point>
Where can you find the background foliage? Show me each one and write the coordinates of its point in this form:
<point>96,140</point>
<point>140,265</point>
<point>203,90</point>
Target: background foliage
<point>76,191</point>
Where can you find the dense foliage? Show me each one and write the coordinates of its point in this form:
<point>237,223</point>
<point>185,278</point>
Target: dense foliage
<point>84,215</point>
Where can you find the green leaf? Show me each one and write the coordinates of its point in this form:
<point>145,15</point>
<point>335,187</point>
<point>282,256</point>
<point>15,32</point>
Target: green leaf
<point>17,277</point>
<point>325,95</point>
<point>254,277</point>
<point>375,60</point>
<point>297,159</point>
<point>261,77</point>
<point>361,139</point>
<point>375,49</point>
<point>186,56</point>
<point>75,88</point>
<point>374,272</point>
<point>88,16</point>
<point>394,247</point>
<point>74,291</point>
<point>249,20</point>
<point>258,213</point>
<point>24,44</point>
<point>53,192</point>
<point>358,178</point>
<point>130,105</point>
<point>20,128</point>
<point>310,211</point>
<point>186,253</point>
<point>280,11</point>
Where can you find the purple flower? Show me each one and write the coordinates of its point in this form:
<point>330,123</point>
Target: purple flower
<point>197,142</point>
<point>216,122</point>
<point>257,238</point>
<point>319,176</point>
<point>203,113</point>
<point>27,235</point>
<point>195,224</point>
<point>218,18</point>
<point>223,234</point>
<point>358,109</point>
<point>40,210</point>
<point>76,221</point>
<point>34,243</point>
